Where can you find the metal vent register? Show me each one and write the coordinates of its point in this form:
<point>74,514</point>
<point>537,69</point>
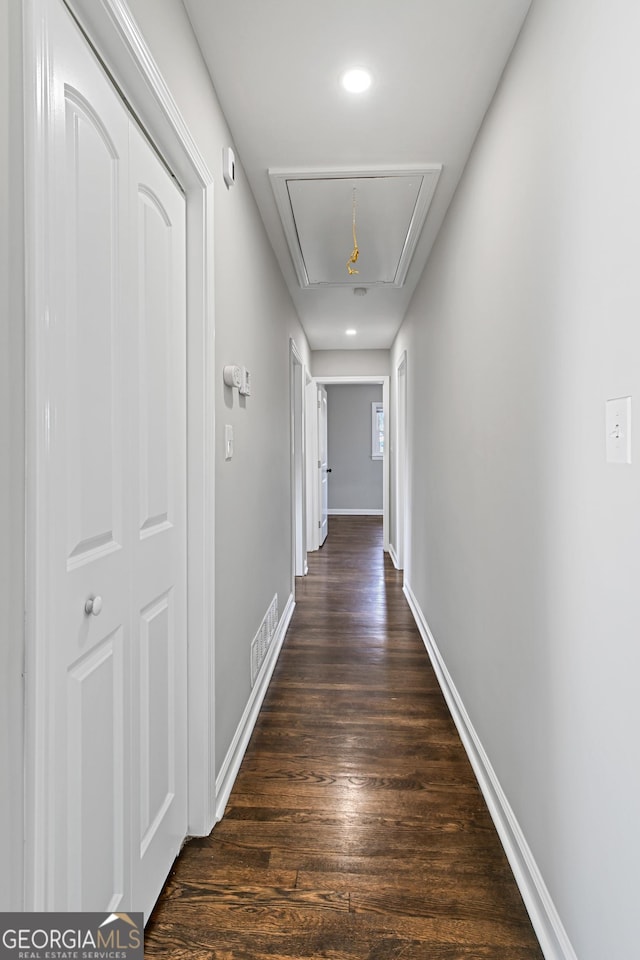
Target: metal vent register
<point>262,640</point>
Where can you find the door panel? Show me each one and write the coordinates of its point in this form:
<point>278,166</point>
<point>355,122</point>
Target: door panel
<point>92,318</point>
<point>154,315</point>
<point>157,718</point>
<point>95,704</point>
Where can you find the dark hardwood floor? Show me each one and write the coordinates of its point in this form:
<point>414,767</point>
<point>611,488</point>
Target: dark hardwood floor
<point>356,828</point>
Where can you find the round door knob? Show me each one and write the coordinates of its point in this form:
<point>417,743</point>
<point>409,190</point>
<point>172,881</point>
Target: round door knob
<point>93,606</point>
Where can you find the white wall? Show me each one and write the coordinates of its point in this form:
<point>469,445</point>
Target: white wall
<point>525,555</point>
<point>254,319</point>
<point>355,482</point>
<point>350,363</point>
<point>11,459</point>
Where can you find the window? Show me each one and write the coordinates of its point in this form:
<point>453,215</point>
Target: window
<point>377,430</point>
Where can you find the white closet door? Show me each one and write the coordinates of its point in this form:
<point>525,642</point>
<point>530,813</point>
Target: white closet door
<point>159,543</point>
<point>111,479</point>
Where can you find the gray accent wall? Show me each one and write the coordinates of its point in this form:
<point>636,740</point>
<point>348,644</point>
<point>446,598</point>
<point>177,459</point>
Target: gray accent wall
<point>525,542</point>
<point>355,481</point>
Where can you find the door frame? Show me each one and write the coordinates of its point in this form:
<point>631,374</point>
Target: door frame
<point>311,458</point>
<point>384,381</point>
<point>113,33</point>
<point>398,549</point>
<point>297,390</point>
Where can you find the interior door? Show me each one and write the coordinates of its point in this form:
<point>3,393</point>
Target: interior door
<point>159,643</point>
<point>323,466</point>
<point>110,466</point>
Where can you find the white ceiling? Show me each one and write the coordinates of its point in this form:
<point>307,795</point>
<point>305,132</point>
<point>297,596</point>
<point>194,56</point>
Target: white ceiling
<point>276,66</point>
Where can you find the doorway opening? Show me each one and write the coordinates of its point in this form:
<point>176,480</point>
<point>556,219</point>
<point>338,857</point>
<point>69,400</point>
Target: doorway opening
<point>315,493</point>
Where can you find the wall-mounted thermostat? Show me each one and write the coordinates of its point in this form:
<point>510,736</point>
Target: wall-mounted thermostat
<point>245,389</point>
<point>228,166</point>
<point>233,376</point>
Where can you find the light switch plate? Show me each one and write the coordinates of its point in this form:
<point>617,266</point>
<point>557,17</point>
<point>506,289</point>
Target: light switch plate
<point>618,424</point>
<point>228,441</point>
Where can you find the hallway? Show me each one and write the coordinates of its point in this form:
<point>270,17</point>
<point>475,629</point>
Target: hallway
<point>356,828</point>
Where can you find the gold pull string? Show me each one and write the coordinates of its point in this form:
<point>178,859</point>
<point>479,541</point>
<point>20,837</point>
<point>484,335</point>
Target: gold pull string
<point>356,253</point>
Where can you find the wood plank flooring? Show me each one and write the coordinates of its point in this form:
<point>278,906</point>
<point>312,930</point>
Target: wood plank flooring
<point>356,829</point>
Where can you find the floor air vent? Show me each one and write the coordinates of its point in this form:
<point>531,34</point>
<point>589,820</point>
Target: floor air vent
<point>263,638</point>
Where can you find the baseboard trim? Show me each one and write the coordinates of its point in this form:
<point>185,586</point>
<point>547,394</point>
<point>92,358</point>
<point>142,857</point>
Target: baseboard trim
<point>554,942</point>
<point>349,512</point>
<point>229,770</point>
<point>394,556</point>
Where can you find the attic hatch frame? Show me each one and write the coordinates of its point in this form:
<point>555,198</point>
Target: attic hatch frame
<point>280,178</point>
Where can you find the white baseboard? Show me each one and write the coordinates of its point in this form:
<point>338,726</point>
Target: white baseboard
<point>554,942</point>
<point>352,512</point>
<point>394,556</point>
<point>229,770</point>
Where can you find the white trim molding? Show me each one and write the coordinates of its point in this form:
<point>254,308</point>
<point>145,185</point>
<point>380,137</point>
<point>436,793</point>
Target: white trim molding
<point>298,454</point>
<point>229,770</point>
<point>554,941</point>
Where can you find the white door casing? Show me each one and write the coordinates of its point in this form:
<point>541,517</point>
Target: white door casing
<point>311,458</point>
<point>108,800</point>
<point>323,464</point>
<point>316,445</point>
<point>401,462</point>
<point>298,464</point>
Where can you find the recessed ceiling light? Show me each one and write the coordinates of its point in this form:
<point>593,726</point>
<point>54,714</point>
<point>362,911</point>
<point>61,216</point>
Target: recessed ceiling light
<point>356,80</point>
<point>351,333</point>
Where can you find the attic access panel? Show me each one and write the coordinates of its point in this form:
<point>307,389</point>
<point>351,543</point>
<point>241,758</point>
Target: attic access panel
<point>316,211</point>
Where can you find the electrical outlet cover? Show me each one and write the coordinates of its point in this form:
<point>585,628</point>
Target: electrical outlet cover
<point>618,426</point>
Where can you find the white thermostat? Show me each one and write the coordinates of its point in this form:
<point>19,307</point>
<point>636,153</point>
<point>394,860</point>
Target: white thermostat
<point>233,376</point>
